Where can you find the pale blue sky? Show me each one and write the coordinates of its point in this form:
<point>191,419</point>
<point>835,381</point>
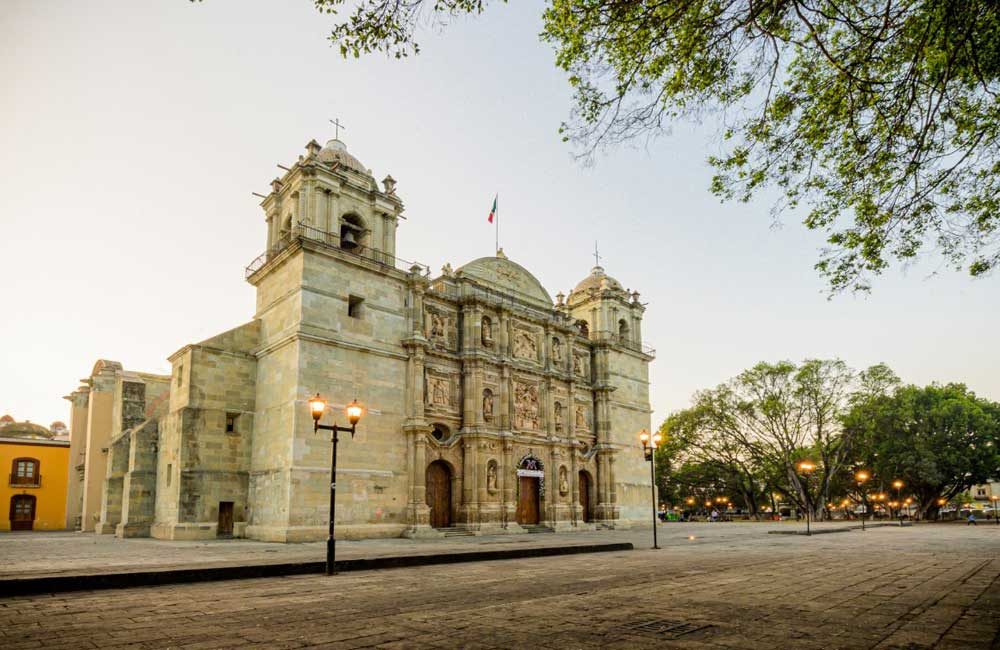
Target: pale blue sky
<point>132,133</point>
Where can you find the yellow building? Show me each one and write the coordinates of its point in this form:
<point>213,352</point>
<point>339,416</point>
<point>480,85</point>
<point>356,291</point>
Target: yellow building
<point>34,495</point>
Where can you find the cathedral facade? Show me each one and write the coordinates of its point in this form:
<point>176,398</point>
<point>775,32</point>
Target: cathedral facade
<point>490,406</point>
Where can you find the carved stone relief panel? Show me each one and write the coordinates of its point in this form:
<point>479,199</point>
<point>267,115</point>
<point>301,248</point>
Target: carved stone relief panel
<point>557,350</point>
<point>441,328</point>
<point>525,405</point>
<point>525,344</point>
<point>557,415</point>
<point>439,392</point>
<point>563,481</point>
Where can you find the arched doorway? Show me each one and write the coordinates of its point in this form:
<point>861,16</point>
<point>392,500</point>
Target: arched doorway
<point>530,474</point>
<point>585,496</point>
<point>438,489</point>
<point>22,512</point>
<point>527,500</point>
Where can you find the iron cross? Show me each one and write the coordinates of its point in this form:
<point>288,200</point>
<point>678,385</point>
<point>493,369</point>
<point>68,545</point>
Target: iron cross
<point>337,127</point>
<point>597,257</point>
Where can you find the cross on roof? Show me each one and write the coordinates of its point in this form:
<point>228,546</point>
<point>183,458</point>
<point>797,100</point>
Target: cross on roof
<point>597,256</point>
<point>337,127</point>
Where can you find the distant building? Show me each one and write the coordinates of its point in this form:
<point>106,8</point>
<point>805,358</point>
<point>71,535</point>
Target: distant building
<point>35,489</point>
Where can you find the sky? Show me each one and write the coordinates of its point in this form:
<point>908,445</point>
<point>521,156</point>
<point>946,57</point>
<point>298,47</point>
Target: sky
<point>132,134</point>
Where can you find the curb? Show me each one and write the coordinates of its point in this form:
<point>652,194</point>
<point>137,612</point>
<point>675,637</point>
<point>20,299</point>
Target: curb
<point>821,531</point>
<point>85,582</point>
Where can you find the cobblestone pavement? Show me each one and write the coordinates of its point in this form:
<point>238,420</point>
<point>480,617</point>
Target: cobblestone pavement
<point>920,587</point>
<point>55,553</point>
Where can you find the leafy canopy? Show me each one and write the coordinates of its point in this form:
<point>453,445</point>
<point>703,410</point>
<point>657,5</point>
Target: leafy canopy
<point>879,117</point>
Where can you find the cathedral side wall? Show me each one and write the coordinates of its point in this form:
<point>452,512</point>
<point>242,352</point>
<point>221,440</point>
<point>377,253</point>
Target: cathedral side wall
<point>212,463</point>
<point>345,357</point>
<point>629,405</point>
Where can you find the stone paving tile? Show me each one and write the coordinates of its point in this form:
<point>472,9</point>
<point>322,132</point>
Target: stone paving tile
<point>912,588</point>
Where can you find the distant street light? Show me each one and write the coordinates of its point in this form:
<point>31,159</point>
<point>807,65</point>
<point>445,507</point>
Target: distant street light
<point>899,486</point>
<point>995,498</point>
<point>354,411</point>
<point>806,468</point>
<point>862,476</point>
<point>649,445</point>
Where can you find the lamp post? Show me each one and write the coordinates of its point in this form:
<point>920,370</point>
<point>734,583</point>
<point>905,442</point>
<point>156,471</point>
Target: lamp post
<point>690,504</point>
<point>899,486</point>
<point>994,498</point>
<point>649,445</point>
<point>941,502</point>
<point>862,476</point>
<point>354,411</point>
<point>806,468</point>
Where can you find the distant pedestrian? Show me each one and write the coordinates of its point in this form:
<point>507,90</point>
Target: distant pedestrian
<point>715,515</point>
<point>971,520</point>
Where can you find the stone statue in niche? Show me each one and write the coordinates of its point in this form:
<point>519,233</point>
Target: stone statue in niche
<point>525,406</point>
<point>563,483</point>
<point>558,413</point>
<point>487,405</point>
<point>581,418</point>
<point>491,478</point>
<point>557,353</point>
<point>525,346</point>
<point>438,391</point>
<point>581,366</point>
<point>487,327</point>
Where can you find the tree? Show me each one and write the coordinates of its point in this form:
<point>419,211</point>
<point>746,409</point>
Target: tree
<point>761,424</point>
<point>939,440</point>
<point>880,116</point>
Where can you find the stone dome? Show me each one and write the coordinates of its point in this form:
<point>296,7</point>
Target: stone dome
<point>508,276</point>
<point>335,151</point>
<point>26,430</point>
<point>596,280</point>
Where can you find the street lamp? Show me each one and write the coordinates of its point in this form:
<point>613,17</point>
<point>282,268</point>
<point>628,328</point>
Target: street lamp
<point>354,411</point>
<point>862,476</point>
<point>899,486</point>
<point>806,468</point>
<point>649,445</point>
<point>994,498</point>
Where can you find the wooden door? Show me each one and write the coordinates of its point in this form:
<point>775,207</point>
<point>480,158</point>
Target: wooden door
<point>438,489</point>
<point>22,512</point>
<point>225,519</point>
<point>585,495</point>
<point>527,501</point>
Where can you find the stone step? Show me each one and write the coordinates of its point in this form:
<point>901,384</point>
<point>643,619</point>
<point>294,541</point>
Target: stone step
<point>538,529</point>
<point>456,532</point>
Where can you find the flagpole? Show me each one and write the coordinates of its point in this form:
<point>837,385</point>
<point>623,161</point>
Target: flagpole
<point>496,200</point>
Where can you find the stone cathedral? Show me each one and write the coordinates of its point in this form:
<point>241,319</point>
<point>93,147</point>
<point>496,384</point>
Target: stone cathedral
<point>491,407</point>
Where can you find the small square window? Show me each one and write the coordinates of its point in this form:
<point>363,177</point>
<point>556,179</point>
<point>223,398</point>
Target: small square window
<point>354,304</point>
<point>231,422</point>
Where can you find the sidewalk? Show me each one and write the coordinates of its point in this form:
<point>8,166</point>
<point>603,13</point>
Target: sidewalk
<point>61,561</point>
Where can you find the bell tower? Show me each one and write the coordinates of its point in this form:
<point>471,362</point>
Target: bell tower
<point>328,195</point>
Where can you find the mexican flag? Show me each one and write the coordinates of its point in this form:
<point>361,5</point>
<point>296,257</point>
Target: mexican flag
<point>493,210</point>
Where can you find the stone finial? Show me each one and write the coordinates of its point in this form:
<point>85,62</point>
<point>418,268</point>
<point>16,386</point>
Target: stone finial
<point>389,183</point>
<point>313,148</point>
<point>276,185</point>
<point>559,299</point>
<point>635,297</point>
<point>446,270</point>
<point>501,254</point>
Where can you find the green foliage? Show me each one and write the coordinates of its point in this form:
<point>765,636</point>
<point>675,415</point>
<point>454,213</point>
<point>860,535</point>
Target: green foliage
<point>939,440</point>
<point>880,117</point>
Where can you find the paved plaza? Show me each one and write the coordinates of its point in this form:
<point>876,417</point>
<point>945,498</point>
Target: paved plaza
<point>710,586</point>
